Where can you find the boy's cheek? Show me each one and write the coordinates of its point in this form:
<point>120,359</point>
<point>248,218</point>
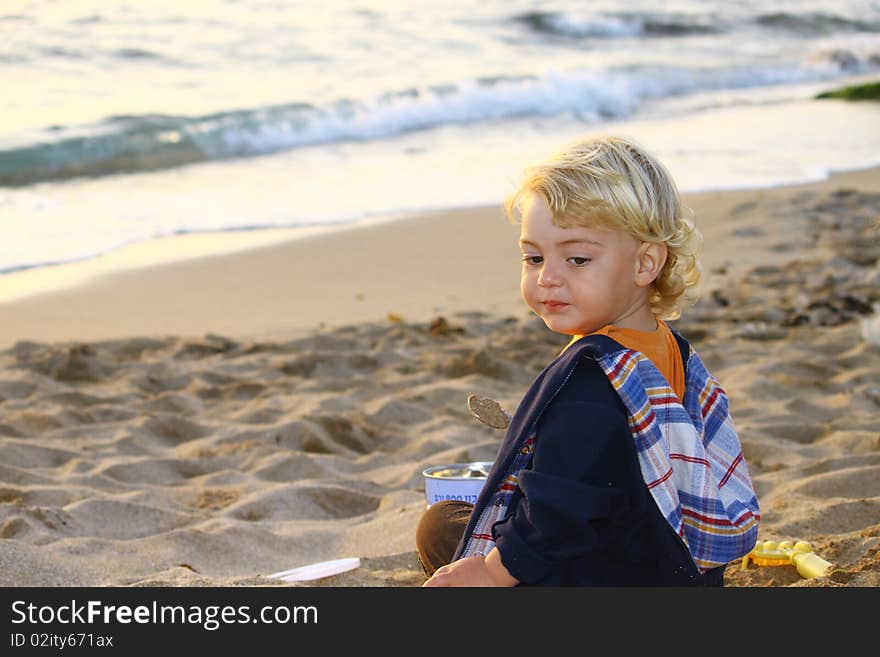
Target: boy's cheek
<point>527,290</point>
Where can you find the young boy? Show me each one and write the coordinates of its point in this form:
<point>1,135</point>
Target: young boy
<point>621,465</point>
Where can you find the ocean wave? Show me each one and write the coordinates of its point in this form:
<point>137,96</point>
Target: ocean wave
<point>844,59</point>
<point>137,53</point>
<point>125,54</point>
<point>815,23</point>
<point>61,52</point>
<point>613,25</point>
<point>128,144</point>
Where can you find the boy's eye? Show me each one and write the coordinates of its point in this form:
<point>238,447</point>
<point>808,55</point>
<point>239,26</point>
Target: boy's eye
<point>578,260</point>
<point>532,259</point>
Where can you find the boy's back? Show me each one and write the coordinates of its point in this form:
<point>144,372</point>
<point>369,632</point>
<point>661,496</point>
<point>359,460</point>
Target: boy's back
<point>619,537</point>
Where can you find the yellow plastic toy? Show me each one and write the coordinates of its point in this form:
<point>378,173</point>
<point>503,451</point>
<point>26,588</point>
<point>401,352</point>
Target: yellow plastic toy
<point>799,554</point>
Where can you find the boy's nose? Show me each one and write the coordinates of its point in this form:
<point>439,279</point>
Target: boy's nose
<point>548,277</point>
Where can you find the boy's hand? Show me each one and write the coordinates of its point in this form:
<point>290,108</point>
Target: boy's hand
<point>473,571</point>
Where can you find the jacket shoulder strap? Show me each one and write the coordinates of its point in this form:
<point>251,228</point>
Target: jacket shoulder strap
<point>684,348</point>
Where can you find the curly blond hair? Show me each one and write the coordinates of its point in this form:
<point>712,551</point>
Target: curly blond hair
<point>613,183</point>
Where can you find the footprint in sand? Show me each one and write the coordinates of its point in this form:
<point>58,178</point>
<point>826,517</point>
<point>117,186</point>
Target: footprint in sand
<point>32,423</point>
<point>329,365</point>
<point>122,520</point>
<point>172,402</point>
<point>16,390</point>
<point>26,455</point>
<point>10,475</point>
<point>289,467</point>
<point>156,472</point>
<point>827,517</point>
<point>175,429</point>
<point>258,415</point>
<point>858,482</point>
<point>798,431</point>
<point>841,463</point>
<point>11,496</point>
<point>481,362</point>
<point>13,527</point>
<point>160,378</point>
<point>393,411</point>
<point>76,363</point>
<point>304,501</point>
<point>210,346</point>
<point>216,499</point>
<point>328,433</point>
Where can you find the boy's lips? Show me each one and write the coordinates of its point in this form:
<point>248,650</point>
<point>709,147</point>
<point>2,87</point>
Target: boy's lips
<point>554,306</point>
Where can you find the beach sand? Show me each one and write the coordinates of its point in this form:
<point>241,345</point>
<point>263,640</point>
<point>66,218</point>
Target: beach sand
<point>217,419</point>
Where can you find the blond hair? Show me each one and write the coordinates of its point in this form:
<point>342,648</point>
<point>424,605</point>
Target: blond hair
<point>613,183</point>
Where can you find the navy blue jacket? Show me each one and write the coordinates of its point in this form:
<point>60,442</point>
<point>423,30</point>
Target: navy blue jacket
<point>582,514</point>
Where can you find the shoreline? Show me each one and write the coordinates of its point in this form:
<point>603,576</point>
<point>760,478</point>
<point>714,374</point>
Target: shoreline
<point>168,249</point>
<point>461,260</point>
<point>702,145</point>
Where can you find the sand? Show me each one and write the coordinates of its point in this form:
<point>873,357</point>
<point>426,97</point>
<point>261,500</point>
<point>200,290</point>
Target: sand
<point>217,419</point>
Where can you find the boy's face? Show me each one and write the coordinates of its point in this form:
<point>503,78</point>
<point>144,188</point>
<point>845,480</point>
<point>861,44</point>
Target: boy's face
<point>581,279</point>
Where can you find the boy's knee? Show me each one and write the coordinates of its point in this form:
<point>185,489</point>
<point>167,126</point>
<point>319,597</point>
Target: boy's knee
<point>439,530</point>
<point>442,519</point>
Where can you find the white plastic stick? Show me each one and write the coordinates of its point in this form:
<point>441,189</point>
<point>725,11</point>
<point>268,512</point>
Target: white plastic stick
<point>317,570</point>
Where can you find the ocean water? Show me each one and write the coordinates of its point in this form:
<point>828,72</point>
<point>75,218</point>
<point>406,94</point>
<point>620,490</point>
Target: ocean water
<point>124,121</point>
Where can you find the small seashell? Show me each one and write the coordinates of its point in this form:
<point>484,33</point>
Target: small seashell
<point>488,411</point>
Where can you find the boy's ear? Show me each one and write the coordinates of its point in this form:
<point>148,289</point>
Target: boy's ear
<point>651,258</point>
